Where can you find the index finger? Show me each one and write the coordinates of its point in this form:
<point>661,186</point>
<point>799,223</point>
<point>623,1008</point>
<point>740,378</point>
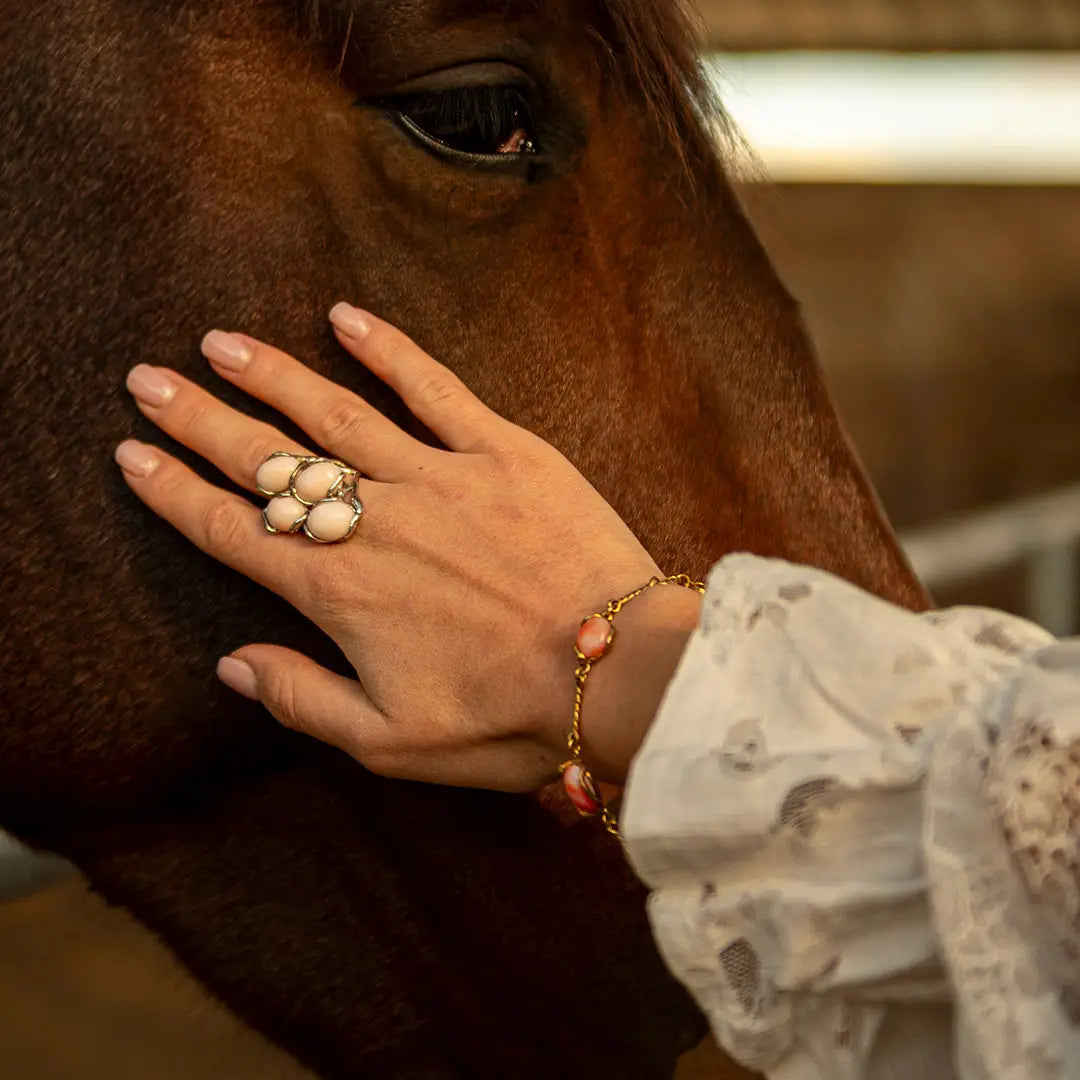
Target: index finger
<point>433,393</point>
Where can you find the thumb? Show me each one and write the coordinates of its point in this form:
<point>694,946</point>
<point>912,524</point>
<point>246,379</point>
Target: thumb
<point>305,696</point>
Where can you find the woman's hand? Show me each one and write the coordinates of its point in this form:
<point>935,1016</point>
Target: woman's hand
<point>457,599</point>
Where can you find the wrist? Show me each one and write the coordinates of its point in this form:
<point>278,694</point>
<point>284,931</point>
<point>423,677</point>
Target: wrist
<point>626,688</point>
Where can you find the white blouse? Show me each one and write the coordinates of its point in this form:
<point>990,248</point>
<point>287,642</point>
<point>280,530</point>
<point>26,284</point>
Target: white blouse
<point>861,827</point>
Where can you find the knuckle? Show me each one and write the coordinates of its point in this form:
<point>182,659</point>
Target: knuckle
<point>168,482</point>
<point>325,585</point>
<point>191,417</point>
<point>442,388</point>
<point>256,450</point>
<point>281,689</point>
<point>222,528</point>
<point>342,421</point>
<point>517,445</point>
<point>445,486</point>
<point>382,760</point>
<point>390,751</point>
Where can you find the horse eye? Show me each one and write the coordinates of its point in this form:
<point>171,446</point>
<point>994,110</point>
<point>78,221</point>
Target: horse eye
<point>480,121</point>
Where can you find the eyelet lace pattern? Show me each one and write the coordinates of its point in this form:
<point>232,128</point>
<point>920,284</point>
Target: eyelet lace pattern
<point>862,831</point>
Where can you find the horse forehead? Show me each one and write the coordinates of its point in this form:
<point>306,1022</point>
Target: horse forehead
<point>421,15</point>
<point>453,10</point>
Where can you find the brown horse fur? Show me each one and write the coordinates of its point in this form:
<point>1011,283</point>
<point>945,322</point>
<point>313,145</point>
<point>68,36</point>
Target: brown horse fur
<point>174,165</point>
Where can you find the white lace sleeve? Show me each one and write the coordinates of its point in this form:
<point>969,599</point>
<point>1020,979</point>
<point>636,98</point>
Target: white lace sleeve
<point>862,832</point>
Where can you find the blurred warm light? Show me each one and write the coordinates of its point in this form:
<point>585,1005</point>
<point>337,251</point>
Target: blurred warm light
<point>1011,118</point>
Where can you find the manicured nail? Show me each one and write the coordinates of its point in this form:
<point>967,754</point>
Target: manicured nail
<point>136,458</point>
<point>351,321</point>
<point>238,676</point>
<point>151,386</point>
<point>226,350</point>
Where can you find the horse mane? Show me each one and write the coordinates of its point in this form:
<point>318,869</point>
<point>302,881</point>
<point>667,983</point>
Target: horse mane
<point>653,45</point>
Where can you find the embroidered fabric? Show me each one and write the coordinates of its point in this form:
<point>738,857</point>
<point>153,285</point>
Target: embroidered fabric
<point>862,832</point>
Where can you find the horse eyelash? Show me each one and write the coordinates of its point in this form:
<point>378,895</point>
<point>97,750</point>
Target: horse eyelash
<point>491,112</point>
<point>490,108</point>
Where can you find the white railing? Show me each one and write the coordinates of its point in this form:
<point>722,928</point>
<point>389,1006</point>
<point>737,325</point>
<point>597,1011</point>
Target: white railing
<point>1043,532</point>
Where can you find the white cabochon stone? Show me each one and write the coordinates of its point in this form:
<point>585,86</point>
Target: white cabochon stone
<point>330,521</point>
<point>273,474</point>
<point>284,512</point>
<point>315,481</point>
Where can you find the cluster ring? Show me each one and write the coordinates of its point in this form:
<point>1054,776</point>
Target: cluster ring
<point>309,494</point>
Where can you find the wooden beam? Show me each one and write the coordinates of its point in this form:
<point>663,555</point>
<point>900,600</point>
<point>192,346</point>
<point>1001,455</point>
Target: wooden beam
<point>906,25</point>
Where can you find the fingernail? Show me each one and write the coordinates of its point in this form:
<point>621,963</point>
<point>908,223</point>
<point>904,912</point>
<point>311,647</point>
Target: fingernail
<point>226,350</point>
<point>350,321</point>
<point>238,676</point>
<point>136,458</point>
<point>151,386</point>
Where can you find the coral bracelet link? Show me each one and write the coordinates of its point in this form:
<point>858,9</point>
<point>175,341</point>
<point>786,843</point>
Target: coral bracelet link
<point>594,640</point>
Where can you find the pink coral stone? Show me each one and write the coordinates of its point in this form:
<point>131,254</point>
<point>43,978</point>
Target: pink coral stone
<point>580,790</point>
<point>594,637</point>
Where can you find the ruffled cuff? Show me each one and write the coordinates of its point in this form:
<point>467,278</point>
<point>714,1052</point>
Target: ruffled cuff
<point>776,810</point>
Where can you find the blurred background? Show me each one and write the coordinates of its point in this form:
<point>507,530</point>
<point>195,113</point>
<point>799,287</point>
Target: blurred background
<point>915,174</point>
<point>925,209</point>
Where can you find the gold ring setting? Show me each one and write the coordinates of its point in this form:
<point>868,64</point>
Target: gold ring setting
<point>315,496</point>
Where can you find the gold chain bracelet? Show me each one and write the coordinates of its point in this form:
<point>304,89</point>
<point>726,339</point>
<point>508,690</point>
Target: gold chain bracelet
<point>592,643</point>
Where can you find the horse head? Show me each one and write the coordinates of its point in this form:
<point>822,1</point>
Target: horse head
<point>533,191</point>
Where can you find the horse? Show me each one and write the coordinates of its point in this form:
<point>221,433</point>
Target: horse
<point>534,191</point>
